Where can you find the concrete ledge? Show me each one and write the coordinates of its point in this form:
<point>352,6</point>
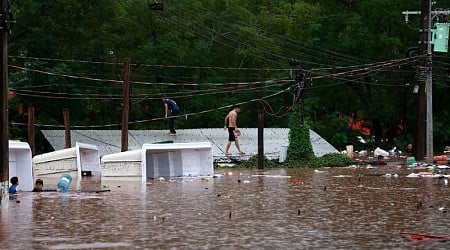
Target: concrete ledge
<point>20,164</point>
<point>122,164</point>
<point>177,160</point>
<point>81,158</point>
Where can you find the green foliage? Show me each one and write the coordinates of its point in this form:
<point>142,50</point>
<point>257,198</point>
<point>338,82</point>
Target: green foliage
<point>441,131</point>
<point>226,41</point>
<point>334,129</point>
<point>328,160</point>
<point>300,148</point>
<point>252,162</point>
<point>331,160</point>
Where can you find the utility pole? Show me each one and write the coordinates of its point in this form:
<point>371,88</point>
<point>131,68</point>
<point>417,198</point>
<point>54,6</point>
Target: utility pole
<point>260,139</point>
<point>423,136</point>
<point>67,135</point>
<point>31,140</point>
<point>7,21</point>
<point>125,103</point>
<point>299,85</point>
<point>424,73</point>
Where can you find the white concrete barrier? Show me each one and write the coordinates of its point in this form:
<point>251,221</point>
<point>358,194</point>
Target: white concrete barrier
<point>177,160</point>
<point>122,164</point>
<point>83,158</point>
<point>20,164</point>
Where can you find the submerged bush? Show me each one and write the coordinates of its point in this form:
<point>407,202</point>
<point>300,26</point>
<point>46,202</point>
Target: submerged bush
<point>252,162</point>
<point>332,160</point>
<point>300,148</point>
<point>328,160</point>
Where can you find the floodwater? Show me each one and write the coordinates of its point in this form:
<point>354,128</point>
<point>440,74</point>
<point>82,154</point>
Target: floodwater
<point>240,209</point>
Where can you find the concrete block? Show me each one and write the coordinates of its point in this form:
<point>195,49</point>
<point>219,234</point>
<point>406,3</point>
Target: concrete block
<point>177,160</point>
<point>20,164</point>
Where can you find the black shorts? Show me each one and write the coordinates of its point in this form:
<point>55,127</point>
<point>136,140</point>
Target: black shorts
<point>231,136</point>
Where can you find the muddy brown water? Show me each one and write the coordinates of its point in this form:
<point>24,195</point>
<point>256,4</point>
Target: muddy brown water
<point>241,209</point>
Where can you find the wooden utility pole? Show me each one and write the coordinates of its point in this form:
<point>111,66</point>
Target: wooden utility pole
<point>423,132</point>
<point>31,129</point>
<point>424,71</point>
<point>260,139</point>
<point>4,147</point>
<point>125,103</point>
<point>67,135</point>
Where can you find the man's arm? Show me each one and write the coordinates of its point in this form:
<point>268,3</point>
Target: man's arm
<point>166,108</point>
<point>225,121</point>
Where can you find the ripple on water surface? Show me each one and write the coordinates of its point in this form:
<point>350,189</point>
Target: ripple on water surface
<point>277,208</point>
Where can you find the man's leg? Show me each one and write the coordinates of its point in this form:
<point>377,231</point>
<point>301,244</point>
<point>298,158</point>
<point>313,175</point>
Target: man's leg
<point>171,125</point>
<point>230,139</point>
<point>227,149</point>
<point>236,142</point>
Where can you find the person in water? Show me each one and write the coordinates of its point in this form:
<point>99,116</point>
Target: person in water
<point>14,183</point>
<point>38,186</point>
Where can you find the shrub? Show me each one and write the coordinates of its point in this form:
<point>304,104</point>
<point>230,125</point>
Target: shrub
<point>252,162</point>
<point>300,148</point>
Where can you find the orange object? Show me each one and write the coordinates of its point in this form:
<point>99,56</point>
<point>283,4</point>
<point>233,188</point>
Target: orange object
<point>302,182</point>
<point>440,158</point>
<point>419,236</point>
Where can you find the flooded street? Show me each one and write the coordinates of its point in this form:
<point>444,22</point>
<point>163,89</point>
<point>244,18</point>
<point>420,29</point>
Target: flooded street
<point>240,209</point>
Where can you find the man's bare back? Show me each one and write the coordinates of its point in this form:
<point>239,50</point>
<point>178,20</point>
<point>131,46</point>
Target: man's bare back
<point>232,118</point>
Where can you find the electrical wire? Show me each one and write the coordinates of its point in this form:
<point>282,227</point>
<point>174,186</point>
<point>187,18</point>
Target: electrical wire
<point>315,52</point>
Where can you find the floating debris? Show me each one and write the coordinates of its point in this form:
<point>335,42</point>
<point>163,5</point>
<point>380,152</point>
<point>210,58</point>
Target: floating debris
<point>342,176</point>
<point>442,209</point>
<point>302,182</point>
<point>420,236</point>
<point>271,176</point>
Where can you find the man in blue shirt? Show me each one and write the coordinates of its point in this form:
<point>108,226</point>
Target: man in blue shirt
<point>171,111</point>
<point>14,183</point>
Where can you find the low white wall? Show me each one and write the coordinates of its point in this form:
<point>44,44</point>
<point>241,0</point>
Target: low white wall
<point>177,160</point>
<point>20,164</point>
<point>83,157</point>
<point>122,164</point>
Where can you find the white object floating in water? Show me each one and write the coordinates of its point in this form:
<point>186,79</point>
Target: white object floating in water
<point>378,151</point>
<point>279,176</point>
<point>271,176</point>
<point>246,181</point>
<point>319,171</point>
<point>342,176</point>
<point>413,175</point>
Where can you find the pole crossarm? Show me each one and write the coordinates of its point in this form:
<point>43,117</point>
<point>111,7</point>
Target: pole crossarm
<point>433,13</point>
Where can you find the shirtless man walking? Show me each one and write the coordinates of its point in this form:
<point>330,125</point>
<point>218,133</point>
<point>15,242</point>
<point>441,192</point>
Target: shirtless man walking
<point>231,120</point>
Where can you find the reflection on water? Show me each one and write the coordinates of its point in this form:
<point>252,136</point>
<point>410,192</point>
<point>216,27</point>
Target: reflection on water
<point>241,209</point>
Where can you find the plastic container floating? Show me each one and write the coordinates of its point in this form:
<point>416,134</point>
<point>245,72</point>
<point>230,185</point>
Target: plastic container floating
<point>64,182</point>
<point>410,161</point>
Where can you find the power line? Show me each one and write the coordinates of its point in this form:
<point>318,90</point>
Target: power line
<point>159,118</point>
<point>297,44</point>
